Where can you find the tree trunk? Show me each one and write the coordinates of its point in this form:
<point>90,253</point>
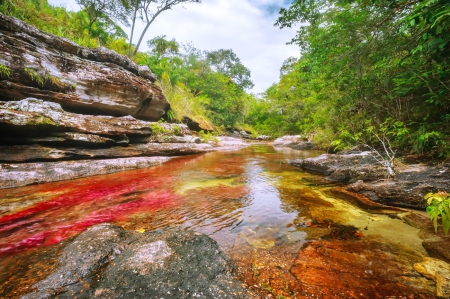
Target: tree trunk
<point>132,28</point>
<point>145,30</point>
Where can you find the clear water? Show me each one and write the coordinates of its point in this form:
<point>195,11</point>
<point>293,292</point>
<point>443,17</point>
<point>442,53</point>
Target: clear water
<point>251,201</point>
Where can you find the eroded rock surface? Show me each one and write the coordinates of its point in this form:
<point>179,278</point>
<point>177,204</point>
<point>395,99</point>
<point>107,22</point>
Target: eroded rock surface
<point>109,262</point>
<point>90,81</point>
<point>22,174</point>
<point>368,177</point>
<point>36,132</point>
<point>437,270</point>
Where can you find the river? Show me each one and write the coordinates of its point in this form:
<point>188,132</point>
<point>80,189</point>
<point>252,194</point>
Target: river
<point>261,211</point>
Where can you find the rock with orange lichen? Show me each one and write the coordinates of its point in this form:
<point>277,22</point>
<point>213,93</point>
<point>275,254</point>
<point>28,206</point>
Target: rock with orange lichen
<point>359,269</point>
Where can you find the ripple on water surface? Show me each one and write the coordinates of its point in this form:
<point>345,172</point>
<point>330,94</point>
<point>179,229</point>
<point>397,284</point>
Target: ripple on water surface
<point>262,212</point>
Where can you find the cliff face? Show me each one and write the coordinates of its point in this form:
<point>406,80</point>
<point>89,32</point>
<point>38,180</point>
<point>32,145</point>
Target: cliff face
<point>89,81</point>
<point>67,111</point>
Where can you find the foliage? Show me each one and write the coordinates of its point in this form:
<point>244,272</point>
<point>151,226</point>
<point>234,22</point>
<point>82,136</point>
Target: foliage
<point>5,71</point>
<point>439,205</point>
<point>208,136</point>
<point>364,64</point>
<point>148,11</point>
<point>184,103</point>
<point>160,46</point>
<point>58,21</point>
<point>158,129</point>
<point>176,129</point>
<point>105,10</point>
<point>227,63</point>
<point>34,76</point>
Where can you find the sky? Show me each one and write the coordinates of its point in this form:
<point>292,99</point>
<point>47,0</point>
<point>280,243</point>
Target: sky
<point>245,26</point>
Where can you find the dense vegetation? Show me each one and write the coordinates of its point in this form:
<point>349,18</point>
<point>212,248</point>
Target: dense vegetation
<point>367,68</point>
<point>208,87</point>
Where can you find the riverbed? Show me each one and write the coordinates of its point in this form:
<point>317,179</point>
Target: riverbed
<point>287,233</point>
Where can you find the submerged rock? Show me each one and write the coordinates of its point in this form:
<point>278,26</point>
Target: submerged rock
<point>437,270</point>
<point>359,269</point>
<point>108,262</point>
<point>90,81</point>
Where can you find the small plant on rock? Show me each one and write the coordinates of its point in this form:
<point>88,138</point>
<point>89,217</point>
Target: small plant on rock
<point>439,205</point>
<point>5,72</point>
<point>176,129</point>
<point>157,129</point>
<point>207,136</point>
<point>34,76</point>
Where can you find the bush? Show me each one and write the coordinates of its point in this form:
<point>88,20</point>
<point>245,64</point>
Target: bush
<point>439,205</point>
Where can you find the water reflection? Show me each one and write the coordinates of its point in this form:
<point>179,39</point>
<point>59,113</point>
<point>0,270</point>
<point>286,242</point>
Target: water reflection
<point>256,206</point>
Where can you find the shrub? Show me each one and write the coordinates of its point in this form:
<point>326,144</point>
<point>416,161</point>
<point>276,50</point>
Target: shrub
<point>439,205</point>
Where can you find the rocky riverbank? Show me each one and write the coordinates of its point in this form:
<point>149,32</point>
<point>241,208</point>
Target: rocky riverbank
<point>364,174</point>
<point>68,112</point>
<point>366,182</point>
<point>43,143</point>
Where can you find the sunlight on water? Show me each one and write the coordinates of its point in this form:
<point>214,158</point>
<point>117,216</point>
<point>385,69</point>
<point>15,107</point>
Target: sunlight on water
<point>257,207</point>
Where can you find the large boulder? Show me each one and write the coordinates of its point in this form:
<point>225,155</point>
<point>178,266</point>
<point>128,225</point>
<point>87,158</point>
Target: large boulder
<point>90,81</point>
<point>343,168</point>
<point>287,140</point>
<point>108,262</point>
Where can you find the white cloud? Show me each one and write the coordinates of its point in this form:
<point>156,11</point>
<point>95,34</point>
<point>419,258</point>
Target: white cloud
<point>246,26</point>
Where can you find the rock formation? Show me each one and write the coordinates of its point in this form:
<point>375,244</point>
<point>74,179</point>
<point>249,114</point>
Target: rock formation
<point>368,177</point>
<point>89,81</point>
<point>39,137</point>
<point>108,262</point>
<point>68,111</point>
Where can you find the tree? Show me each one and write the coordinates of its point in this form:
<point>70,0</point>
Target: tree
<point>371,61</point>
<point>227,63</point>
<point>109,10</point>
<point>148,11</point>
<point>161,46</point>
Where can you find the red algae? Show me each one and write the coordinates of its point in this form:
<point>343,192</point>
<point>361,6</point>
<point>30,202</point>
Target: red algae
<point>245,200</point>
<point>83,203</point>
<point>51,232</point>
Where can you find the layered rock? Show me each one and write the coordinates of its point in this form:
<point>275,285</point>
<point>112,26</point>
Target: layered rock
<point>109,262</point>
<point>40,142</point>
<point>36,132</point>
<point>90,81</point>
<point>15,175</point>
<point>368,177</point>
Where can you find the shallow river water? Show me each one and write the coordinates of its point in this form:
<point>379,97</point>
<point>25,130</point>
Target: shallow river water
<point>260,210</point>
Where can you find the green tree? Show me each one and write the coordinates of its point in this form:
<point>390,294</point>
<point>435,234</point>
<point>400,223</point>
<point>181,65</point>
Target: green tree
<point>106,10</point>
<point>148,11</point>
<point>227,63</point>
